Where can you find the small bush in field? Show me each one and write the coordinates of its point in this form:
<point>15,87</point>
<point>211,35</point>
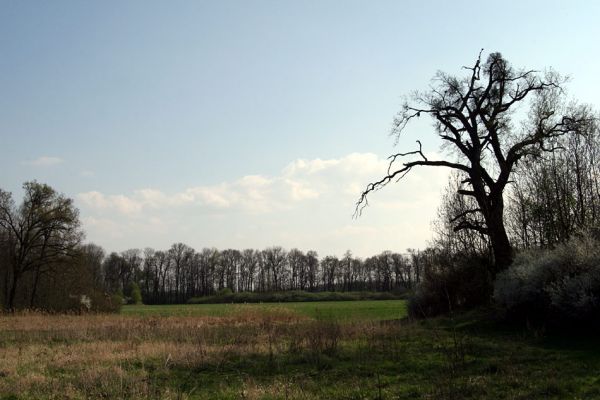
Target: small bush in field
<point>553,286</point>
<point>135,294</point>
<point>225,292</point>
<point>106,303</point>
<point>461,283</point>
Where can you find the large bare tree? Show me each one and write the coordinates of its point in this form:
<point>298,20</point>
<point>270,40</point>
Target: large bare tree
<point>486,132</point>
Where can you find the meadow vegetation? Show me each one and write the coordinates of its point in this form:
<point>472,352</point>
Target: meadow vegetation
<point>286,352</point>
<point>336,310</point>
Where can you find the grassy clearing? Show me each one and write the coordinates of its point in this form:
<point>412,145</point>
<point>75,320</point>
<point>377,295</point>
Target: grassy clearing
<point>341,310</point>
<point>259,352</point>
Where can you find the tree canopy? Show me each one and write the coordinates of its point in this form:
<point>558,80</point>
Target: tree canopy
<point>40,232</point>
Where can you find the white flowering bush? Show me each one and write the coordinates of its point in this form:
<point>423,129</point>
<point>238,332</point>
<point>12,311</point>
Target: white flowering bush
<point>553,286</point>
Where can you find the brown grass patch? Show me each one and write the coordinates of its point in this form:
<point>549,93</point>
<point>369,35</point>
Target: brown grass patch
<point>113,356</point>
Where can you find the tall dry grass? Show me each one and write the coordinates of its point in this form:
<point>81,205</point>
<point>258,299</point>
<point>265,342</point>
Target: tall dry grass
<point>114,356</point>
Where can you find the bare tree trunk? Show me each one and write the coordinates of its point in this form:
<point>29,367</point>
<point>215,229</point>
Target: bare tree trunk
<point>35,285</point>
<point>10,304</point>
<point>501,247</point>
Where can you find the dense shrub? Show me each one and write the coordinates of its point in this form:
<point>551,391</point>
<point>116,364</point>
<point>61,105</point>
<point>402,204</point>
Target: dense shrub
<point>450,284</point>
<point>291,296</point>
<point>553,286</point>
<point>106,303</point>
<point>134,294</point>
<point>225,292</point>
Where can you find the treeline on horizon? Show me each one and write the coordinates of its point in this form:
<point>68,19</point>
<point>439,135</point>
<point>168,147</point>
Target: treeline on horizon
<point>181,273</point>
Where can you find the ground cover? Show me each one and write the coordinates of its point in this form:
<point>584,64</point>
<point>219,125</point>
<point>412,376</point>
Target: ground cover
<point>341,310</point>
<point>288,352</point>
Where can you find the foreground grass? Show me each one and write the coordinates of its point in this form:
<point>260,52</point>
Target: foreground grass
<point>281,353</point>
<point>339,310</point>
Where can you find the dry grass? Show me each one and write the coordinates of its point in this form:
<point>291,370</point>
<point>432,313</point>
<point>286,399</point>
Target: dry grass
<point>276,354</point>
<point>73,356</point>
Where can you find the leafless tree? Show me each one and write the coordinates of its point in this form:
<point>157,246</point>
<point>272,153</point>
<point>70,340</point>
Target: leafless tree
<point>558,194</point>
<point>297,264</point>
<point>92,256</point>
<point>329,272</point>
<point>179,256</point>
<point>231,260</point>
<point>274,259</point>
<point>476,117</point>
<point>248,268</point>
<point>312,269</point>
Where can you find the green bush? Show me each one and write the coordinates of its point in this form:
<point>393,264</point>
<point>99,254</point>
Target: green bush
<point>452,284</point>
<point>106,303</point>
<point>225,292</point>
<point>135,294</point>
<point>292,296</point>
<point>559,286</point>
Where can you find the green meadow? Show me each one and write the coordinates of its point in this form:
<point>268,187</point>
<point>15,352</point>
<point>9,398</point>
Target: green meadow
<point>375,310</point>
<point>329,350</point>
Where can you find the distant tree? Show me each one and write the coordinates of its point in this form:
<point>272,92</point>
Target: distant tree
<point>230,262</point>
<point>347,271</point>
<point>475,116</point>
<point>402,272</point>
<point>92,257</point>
<point>41,232</point>
<point>329,272</point>
<point>131,267</point>
<point>384,271</point>
<point>179,255</point>
<point>113,269</point>
<point>274,259</point>
<point>209,260</point>
<point>248,268</point>
<point>120,270</point>
<point>312,269</point>
<point>417,261</point>
<point>296,262</point>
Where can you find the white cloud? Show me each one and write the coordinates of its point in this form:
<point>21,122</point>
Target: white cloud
<point>301,191</point>
<point>123,204</point>
<point>44,161</point>
<point>308,205</point>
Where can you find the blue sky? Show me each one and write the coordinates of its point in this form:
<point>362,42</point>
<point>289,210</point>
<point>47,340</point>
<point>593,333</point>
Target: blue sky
<point>161,118</point>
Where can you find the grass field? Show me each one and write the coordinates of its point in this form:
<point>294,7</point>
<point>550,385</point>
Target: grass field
<point>289,351</point>
<point>341,310</point>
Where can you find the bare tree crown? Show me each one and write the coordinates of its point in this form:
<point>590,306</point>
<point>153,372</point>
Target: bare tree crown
<point>474,115</point>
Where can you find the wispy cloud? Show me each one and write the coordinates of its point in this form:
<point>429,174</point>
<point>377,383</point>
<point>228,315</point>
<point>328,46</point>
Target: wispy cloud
<point>308,204</point>
<point>44,161</point>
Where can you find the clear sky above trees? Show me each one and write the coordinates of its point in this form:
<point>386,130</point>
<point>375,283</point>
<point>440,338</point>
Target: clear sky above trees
<point>211,104</point>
